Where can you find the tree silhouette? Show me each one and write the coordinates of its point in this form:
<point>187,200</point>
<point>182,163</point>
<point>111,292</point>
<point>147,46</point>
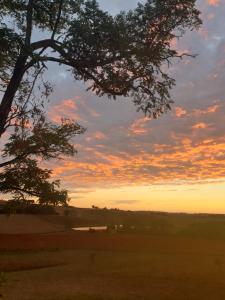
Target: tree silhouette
<point>118,56</point>
<point>123,55</point>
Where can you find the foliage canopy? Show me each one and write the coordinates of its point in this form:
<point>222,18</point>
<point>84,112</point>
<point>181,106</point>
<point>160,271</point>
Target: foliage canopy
<point>119,56</point>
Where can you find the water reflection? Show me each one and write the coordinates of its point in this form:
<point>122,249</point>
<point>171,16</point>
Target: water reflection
<point>96,228</point>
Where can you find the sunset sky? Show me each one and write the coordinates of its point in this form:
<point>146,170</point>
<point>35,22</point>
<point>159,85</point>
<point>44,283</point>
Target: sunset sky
<point>174,163</point>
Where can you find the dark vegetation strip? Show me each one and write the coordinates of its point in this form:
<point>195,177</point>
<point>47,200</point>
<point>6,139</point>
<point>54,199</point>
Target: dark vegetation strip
<point>25,267</point>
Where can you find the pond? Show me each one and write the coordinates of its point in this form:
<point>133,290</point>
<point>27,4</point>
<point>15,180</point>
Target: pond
<point>96,228</point>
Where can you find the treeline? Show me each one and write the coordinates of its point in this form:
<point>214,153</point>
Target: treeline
<point>25,207</point>
<point>123,221</point>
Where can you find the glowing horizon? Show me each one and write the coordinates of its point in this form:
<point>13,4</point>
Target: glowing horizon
<point>166,198</point>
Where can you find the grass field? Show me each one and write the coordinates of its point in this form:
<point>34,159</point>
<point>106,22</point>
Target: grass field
<point>97,266</point>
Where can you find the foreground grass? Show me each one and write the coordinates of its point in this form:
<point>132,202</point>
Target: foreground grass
<point>162,268</point>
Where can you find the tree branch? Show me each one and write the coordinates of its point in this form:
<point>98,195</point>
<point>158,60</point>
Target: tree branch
<point>11,90</point>
<point>32,87</point>
<point>42,44</point>
<point>14,188</point>
<point>14,160</point>
<point>57,19</point>
<point>29,20</point>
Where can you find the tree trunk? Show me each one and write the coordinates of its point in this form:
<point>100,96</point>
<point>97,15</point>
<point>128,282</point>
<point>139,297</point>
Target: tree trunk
<point>7,100</point>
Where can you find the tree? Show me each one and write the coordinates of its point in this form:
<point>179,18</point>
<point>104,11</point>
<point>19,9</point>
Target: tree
<point>124,55</point>
<point>32,139</point>
<point>21,175</point>
<point>118,56</point>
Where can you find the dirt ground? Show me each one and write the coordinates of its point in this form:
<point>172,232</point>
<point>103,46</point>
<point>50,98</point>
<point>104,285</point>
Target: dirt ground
<point>98,266</point>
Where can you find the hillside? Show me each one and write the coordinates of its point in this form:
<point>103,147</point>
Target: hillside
<point>23,224</point>
<point>153,223</point>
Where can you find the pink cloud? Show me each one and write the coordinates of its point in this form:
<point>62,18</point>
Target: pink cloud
<point>203,32</point>
<point>173,43</point>
<point>213,2</point>
<point>99,135</point>
<point>210,16</point>
<point>70,104</point>
<point>208,110</point>
<point>138,127</point>
<point>180,112</point>
<point>67,108</point>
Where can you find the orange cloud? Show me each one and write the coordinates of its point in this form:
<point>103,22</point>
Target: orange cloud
<point>208,110</point>
<point>213,2</point>
<point>186,162</point>
<point>212,109</point>
<point>69,103</point>
<point>67,108</point>
<point>99,135</point>
<point>181,158</point>
<point>180,112</point>
<point>200,126</point>
<point>161,147</point>
<point>138,127</point>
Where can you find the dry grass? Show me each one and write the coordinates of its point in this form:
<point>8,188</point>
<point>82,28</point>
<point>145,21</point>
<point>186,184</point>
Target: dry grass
<point>23,224</point>
<point>111,267</point>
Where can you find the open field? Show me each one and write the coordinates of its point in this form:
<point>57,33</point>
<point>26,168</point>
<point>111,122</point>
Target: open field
<point>15,224</point>
<point>97,266</point>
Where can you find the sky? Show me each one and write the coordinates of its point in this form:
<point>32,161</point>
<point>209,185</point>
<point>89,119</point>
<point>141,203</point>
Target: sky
<point>175,163</point>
